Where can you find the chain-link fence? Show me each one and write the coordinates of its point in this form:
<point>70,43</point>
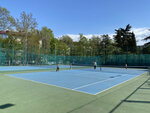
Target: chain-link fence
<point>21,56</point>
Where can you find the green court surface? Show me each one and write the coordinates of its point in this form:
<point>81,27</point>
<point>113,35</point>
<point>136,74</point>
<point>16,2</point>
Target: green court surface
<point>22,96</point>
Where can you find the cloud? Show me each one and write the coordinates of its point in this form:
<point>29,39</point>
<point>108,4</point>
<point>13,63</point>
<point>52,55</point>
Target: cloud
<point>88,36</point>
<point>140,34</point>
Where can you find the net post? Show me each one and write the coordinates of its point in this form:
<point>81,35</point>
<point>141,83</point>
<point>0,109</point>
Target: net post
<point>149,71</point>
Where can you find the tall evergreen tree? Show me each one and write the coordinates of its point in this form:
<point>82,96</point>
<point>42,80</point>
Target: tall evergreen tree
<point>125,39</point>
<point>148,43</point>
<point>146,48</point>
<point>133,43</point>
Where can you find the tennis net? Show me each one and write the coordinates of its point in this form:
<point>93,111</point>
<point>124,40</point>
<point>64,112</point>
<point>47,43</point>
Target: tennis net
<point>114,70</point>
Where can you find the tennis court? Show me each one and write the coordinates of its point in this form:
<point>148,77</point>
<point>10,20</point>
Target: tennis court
<point>86,80</point>
<point>34,67</point>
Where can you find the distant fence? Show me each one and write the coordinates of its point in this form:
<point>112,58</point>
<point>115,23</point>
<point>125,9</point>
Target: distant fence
<point>21,57</point>
<point>130,59</point>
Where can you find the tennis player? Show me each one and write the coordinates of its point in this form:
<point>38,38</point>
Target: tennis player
<point>126,66</point>
<point>95,65</point>
<point>70,66</point>
<point>100,68</point>
<point>57,68</point>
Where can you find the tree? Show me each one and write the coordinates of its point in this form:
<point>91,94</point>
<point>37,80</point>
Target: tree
<point>53,44</point>
<point>26,24</point>
<point>67,40</point>
<point>34,41</point>
<point>146,47</point>
<point>147,38</point>
<point>82,45</point>
<point>45,35</point>
<point>83,40</point>
<point>11,46</point>
<point>125,39</point>
<point>94,45</point>
<point>6,21</point>
<point>62,49</point>
<point>107,46</point>
<point>132,43</point>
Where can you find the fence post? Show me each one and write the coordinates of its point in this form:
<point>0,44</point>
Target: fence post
<point>40,56</point>
<point>0,55</point>
<point>32,55</point>
<point>23,56</point>
<point>127,56</point>
<point>12,54</point>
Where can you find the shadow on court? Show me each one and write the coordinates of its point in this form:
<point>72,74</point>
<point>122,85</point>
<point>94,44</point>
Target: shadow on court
<point>4,106</point>
<point>82,106</point>
<point>145,88</point>
<point>133,101</point>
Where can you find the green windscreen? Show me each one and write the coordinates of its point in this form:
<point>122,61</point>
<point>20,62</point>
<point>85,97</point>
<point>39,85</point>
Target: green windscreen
<point>20,56</point>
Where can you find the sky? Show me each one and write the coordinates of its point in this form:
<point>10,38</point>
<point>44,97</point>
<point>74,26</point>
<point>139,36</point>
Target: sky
<point>90,17</point>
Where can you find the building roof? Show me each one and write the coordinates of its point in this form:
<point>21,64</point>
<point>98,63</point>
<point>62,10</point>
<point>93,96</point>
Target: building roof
<point>13,33</point>
<point>2,32</point>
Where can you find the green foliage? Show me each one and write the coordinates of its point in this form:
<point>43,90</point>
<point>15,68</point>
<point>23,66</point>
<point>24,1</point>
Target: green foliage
<point>125,39</point>
<point>147,45</point>
<point>46,34</point>
<point>26,23</point>
<point>62,49</point>
<point>28,39</point>
<point>6,21</point>
<point>34,41</point>
<point>83,40</point>
<point>106,45</point>
<point>95,45</point>
<point>53,43</point>
<point>146,49</point>
<point>67,40</point>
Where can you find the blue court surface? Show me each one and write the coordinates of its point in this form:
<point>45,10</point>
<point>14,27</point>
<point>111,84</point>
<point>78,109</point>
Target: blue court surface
<point>83,80</point>
<point>15,68</point>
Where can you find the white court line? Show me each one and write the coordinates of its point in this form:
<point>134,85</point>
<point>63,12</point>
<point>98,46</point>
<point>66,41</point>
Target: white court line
<point>119,84</point>
<point>96,83</point>
<point>49,84</point>
<point>78,87</point>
